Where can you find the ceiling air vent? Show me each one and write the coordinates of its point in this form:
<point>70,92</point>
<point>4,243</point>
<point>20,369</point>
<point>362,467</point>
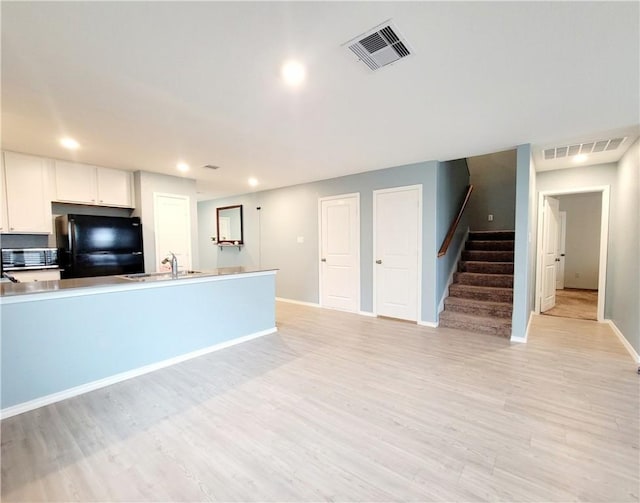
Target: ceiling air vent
<point>379,46</point>
<point>591,147</point>
<point>211,166</point>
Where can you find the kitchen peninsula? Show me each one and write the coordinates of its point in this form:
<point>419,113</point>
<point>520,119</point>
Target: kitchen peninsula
<point>63,338</point>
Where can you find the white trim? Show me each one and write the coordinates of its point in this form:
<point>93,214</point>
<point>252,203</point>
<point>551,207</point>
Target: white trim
<point>366,313</point>
<point>454,268</point>
<point>428,324</point>
<point>156,196</point>
<point>526,332</point>
<point>126,285</point>
<point>604,241</point>
<point>417,187</point>
<point>355,195</point>
<point>123,376</point>
<point>624,341</point>
<point>299,302</point>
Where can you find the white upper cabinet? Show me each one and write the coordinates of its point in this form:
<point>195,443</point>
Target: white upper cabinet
<point>75,183</point>
<point>85,184</point>
<point>28,199</point>
<point>114,187</point>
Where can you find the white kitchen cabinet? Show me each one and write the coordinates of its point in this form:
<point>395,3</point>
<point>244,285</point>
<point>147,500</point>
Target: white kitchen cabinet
<point>86,184</point>
<point>28,199</point>
<point>114,187</point>
<point>75,183</point>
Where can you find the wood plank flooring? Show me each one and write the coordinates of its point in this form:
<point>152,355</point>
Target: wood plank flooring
<point>341,407</point>
<point>575,303</point>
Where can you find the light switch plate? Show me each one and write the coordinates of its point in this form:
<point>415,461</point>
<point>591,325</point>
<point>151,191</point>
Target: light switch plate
<point>490,217</point>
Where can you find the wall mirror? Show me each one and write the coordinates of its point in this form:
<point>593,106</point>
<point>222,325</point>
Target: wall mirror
<point>229,225</point>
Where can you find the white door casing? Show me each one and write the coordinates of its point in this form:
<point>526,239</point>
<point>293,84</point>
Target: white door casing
<point>550,224</point>
<point>604,241</point>
<point>397,215</point>
<point>339,252</point>
<point>172,221</point>
<point>562,250</point>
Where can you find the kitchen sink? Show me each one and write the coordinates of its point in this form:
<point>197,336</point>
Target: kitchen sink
<point>156,276</point>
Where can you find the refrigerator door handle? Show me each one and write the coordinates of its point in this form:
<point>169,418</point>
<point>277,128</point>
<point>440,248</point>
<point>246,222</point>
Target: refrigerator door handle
<point>136,253</point>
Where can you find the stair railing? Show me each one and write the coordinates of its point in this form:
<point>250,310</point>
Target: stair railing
<point>454,225</point>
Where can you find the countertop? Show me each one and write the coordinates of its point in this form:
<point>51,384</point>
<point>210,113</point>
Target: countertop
<point>80,286</point>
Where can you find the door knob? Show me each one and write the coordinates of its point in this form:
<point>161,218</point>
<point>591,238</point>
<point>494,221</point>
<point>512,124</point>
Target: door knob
<point>378,261</point>
<point>323,260</point>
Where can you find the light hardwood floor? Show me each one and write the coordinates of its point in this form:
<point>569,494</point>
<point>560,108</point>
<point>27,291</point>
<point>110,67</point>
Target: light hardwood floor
<point>342,407</point>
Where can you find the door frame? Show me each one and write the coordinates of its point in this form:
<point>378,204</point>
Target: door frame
<point>156,196</point>
<point>604,242</point>
<point>359,280</point>
<point>418,187</point>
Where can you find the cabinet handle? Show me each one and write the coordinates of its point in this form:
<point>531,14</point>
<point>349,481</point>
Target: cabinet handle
<point>378,261</point>
<point>10,228</point>
<point>101,201</point>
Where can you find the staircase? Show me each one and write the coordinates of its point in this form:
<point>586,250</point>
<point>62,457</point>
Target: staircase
<point>481,295</point>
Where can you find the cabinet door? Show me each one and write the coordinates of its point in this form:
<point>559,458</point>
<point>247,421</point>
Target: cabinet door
<point>75,183</point>
<point>114,187</point>
<point>4,225</point>
<point>28,201</point>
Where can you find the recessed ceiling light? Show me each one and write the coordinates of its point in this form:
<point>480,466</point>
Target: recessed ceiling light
<point>253,182</point>
<point>579,158</point>
<point>182,166</point>
<point>69,143</point>
<point>293,73</point>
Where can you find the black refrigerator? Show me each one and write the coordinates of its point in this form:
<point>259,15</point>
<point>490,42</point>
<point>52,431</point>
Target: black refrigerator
<point>91,245</point>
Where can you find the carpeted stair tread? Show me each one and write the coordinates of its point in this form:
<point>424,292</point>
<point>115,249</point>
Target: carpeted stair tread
<point>474,323</point>
<point>482,279</point>
<point>485,267</point>
<point>479,307</point>
<point>490,293</point>
<point>488,255</point>
<point>506,245</point>
<point>492,235</point>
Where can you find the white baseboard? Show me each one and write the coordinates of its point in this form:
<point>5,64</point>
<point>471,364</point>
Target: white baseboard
<point>634,354</point>
<point>428,324</point>
<point>299,302</point>
<point>123,376</point>
<point>367,313</point>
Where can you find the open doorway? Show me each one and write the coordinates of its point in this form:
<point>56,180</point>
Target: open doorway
<point>572,253</point>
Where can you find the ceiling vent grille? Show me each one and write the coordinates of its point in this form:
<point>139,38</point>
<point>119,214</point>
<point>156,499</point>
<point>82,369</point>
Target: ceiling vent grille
<point>591,147</point>
<point>211,166</point>
<point>380,46</point>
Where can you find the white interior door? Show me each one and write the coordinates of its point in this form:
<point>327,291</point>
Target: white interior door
<point>550,224</point>
<point>562,240</point>
<point>340,253</point>
<point>172,229</point>
<point>397,252</point>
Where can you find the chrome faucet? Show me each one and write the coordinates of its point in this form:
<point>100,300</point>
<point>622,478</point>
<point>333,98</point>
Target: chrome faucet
<point>174,264</point>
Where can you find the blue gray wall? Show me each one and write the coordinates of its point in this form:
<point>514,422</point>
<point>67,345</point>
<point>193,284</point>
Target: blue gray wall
<point>524,258</point>
<point>49,346</point>
<point>494,191</point>
<point>453,180</point>
<point>287,214</point>
<point>624,277</point>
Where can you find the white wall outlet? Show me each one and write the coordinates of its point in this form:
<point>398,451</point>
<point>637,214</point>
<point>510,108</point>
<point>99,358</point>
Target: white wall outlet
<point>300,239</point>
<point>490,217</point>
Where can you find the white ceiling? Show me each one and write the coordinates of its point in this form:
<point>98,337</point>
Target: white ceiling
<point>143,85</point>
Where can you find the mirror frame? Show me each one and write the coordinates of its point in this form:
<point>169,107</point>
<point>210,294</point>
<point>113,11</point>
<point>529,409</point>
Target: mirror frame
<point>229,241</point>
